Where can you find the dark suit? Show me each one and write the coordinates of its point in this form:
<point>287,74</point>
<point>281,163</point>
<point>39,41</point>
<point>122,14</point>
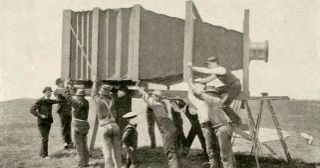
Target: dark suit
<point>43,106</point>
<point>64,110</point>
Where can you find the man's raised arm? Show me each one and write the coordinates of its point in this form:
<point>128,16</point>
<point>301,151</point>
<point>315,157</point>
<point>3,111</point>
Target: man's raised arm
<point>94,90</point>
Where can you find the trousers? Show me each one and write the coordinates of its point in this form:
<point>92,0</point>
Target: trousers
<point>80,136</point>
<point>228,94</point>
<point>111,137</point>
<point>151,123</point>
<point>65,119</point>
<point>194,131</point>
<point>44,129</point>
<point>219,147</point>
<point>169,139</point>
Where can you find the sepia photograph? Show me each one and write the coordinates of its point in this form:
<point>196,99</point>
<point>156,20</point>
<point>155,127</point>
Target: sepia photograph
<point>160,84</point>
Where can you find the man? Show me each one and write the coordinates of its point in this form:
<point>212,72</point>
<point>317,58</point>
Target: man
<point>122,100</point>
<point>181,139</point>
<point>80,124</point>
<point>165,125</point>
<point>214,126</point>
<point>42,109</point>
<point>64,111</point>
<point>180,106</point>
<point>151,121</point>
<point>228,92</point>
<point>110,131</point>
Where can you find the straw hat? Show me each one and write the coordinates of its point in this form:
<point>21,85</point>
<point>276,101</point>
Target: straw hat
<point>105,90</point>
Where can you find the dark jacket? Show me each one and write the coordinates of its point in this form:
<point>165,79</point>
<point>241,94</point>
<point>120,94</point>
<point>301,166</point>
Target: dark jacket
<point>43,106</point>
<point>80,107</point>
<point>63,106</point>
<point>130,136</point>
<point>192,118</point>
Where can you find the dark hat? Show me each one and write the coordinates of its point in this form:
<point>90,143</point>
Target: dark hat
<point>123,88</point>
<point>130,115</point>
<point>105,90</point>
<point>47,89</point>
<point>58,81</point>
<point>80,92</point>
<point>212,59</point>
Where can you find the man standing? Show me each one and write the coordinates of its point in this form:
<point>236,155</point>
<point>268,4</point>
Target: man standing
<point>64,111</point>
<point>165,125</point>
<point>80,124</point>
<point>151,121</point>
<point>42,109</point>
<point>111,136</point>
<point>180,106</point>
<point>122,100</point>
<point>214,126</point>
<point>228,92</point>
<point>181,139</point>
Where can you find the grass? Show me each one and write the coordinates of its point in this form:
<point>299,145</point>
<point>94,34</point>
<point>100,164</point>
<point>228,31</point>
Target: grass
<point>19,139</point>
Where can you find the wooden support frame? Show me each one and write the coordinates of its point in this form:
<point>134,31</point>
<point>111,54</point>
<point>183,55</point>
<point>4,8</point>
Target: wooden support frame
<point>117,74</point>
<point>246,53</point>
<point>95,44</point>
<point>255,126</point>
<point>191,14</point>
<point>95,63</point>
<point>66,45</point>
<point>134,43</point>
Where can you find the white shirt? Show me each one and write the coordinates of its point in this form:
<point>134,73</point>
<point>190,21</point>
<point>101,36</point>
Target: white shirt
<point>208,111</point>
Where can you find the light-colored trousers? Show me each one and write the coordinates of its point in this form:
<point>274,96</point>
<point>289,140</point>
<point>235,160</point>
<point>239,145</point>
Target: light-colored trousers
<point>110,134</point>
<point>218,143</point>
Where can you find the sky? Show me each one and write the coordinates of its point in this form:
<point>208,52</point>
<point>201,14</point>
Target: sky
<point>30,41</point>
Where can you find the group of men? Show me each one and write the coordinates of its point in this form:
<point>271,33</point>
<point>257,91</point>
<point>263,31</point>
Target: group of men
<point>206,109</point>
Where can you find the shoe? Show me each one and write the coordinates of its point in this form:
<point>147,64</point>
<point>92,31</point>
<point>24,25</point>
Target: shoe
<point>46,157</point>
<point>65,146</point>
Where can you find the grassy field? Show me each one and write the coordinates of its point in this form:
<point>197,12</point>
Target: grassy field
<point>20,138</point>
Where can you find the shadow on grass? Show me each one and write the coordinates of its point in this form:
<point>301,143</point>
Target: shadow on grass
<point>246,161</point>
<point>147,157</point>
<point>64,154</point>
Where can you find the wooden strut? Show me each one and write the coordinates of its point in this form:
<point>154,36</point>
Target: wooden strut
<point>80,45</point>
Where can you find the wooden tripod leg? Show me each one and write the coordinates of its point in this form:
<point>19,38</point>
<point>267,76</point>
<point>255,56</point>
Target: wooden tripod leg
<point>258,124</point>
<point>94,134</point>
<point>253,130</point>
<point>276,123</point>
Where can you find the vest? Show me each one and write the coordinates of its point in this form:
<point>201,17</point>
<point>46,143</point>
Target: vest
<point>228,78</point>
